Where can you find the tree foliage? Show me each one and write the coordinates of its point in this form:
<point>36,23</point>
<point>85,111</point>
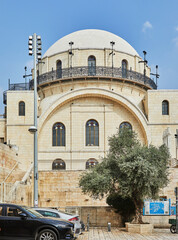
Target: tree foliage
<point>124,206</point>
<point>130,170</point>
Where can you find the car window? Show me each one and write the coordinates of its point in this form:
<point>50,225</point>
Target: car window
<point>32,212</point>
<point>0,210</point>
<point>48,214</point>
<point>13,212</point>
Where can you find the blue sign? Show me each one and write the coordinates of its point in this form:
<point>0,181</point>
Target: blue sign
<point>173,210</point>
<point>157,207</point>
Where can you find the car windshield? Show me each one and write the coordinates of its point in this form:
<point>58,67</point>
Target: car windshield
<point>32,212</point>
<point>65,213</point>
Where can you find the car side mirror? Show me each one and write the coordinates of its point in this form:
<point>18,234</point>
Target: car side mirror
<point>23,215</point>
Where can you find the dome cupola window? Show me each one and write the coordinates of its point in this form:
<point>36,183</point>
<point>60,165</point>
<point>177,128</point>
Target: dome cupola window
<point>92,133</point>
<point>91,66</point>
<point>124,68</point>
<point>59,69</point>
<point>58,134</point>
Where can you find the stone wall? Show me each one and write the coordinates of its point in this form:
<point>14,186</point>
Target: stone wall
<point>158,221</point>
<point>60,189</point>
<point>97,216</point>
<point>103,58</point>
<point>8,159</point>
<point>2,128</point>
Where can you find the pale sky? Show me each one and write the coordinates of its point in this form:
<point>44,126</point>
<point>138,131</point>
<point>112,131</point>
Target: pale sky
<point>147,25</point>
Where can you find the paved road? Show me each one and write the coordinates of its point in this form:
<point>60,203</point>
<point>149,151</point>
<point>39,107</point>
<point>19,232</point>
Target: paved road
<point>121,234</point>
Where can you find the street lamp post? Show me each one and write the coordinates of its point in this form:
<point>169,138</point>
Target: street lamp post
<point>71,55</point>
<point>145,63</point>
<point>112,53</point>
<point>35,50</point>
<point>156,74</point>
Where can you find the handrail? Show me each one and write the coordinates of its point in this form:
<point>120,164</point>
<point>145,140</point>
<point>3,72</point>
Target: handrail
<point>98,71</point>
<point>3,182</point>
<point>10,172</point>
<point>25,177</point>
<point>84,71</point>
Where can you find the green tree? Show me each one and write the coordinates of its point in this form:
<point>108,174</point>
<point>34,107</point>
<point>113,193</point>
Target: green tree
<point>124,206</point>
<point>130,170</point>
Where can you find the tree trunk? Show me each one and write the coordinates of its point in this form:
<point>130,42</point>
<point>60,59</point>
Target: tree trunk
<point>138,212</point>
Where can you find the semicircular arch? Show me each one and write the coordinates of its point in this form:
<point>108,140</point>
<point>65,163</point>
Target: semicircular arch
<point>101,93</point>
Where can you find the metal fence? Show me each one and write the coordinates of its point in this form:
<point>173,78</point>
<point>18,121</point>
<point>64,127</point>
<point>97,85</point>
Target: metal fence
<point>5,189</point>
<point>83,71</point>
<point>99,71</point>
<point>15,87</point>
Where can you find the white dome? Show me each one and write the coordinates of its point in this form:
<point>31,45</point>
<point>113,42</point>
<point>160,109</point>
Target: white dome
<point>90,39</point>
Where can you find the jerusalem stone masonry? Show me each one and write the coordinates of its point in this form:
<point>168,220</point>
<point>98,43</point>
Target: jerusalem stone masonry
<point>3,128</point>
<point>8,159</point>
<point>75,101</point>
<point>17,126</point>
<point>60,189</point>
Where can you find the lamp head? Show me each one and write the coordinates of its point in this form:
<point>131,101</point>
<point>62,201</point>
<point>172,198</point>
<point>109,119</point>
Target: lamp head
<point>32,129</point>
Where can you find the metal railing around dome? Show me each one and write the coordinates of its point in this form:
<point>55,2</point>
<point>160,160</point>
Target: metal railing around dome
<point>98,71</point>
<point>85,71</point>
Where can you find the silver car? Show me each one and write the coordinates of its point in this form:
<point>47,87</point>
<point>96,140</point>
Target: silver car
<point>50,212</point>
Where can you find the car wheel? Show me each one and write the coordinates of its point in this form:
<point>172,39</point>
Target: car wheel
<point>173,229</point>
<point>47,234</point>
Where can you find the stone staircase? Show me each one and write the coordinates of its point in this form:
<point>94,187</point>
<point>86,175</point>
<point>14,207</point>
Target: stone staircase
<point>17,175</point>
<point>13,179</point>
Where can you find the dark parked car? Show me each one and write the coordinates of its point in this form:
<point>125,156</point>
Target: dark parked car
<point>49,212</point>
<point>17,222</point>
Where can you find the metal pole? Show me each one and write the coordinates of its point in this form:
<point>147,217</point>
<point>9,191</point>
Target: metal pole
<point>25,77</point>
<point>35,124</point>
<point>112,44</point>
<point>109,227</point>
<point>157,75</point>
<point>144,52</point>
<point>88,222</point>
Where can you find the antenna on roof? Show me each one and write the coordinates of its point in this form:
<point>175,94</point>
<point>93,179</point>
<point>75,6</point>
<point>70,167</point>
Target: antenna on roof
<point>145,63</point>
<point>156,74</point>
<point>71,54</point>
<point>112,53</point>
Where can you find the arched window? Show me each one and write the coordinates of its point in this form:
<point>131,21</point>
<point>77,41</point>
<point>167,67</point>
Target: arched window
<point>58,134</point>
<point>91,66</point>
<point>58,164</point>
<point>21,108</point>
<point>59,69</point>
<point>92,133</point>
<point>165,107</point>
<point>125,125</point>
<point>124,68</point>
<point>91,163</point>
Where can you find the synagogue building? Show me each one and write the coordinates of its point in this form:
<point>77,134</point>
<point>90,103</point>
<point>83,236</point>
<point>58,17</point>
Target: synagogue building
<point>91,83</point>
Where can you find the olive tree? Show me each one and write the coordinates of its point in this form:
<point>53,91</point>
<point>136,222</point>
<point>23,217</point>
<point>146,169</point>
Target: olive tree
<point>130,170</point>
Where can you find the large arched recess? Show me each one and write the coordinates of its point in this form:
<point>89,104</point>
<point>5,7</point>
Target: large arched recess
<point>96,92</point>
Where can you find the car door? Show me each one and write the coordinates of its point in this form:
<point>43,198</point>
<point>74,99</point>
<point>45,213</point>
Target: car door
<point>1,221</point>
<point>16,227</point>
